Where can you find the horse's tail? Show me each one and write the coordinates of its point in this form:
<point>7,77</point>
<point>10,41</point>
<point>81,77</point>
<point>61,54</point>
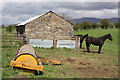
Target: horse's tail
<point>78,35</point>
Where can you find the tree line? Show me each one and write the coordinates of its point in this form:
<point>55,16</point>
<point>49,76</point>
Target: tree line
<point>85,25</point>
<point>104,24</point>
<point>9,28</point>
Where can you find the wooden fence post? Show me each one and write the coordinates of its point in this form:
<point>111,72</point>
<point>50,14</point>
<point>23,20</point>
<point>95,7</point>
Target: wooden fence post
<point>77,42</point>
<point>25,41</point>
<point>54,43</point>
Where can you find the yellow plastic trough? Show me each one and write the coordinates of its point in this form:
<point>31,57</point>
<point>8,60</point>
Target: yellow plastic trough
<point>26,58</point>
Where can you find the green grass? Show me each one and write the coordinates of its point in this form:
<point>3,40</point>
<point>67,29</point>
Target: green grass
<point>109,46</point>
<point>101,32</point>
<point>76,63</point>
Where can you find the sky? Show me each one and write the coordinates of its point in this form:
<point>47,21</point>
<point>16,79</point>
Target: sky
<point>13,12</point>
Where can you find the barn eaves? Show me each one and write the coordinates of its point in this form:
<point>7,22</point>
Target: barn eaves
<point>35,17</point>
<point>46,26</point>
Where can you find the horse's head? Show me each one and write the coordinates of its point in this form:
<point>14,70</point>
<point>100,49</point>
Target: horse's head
<point>86,35</point>
<point>109,37</point>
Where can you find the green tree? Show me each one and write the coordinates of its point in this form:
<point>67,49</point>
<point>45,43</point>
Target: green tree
<point>94,25</point>
<point>10,28</point>
<point>3,26</point>
<point>111,25</point>
<point>117,25</point>
<point>104,23</point>
<point>85,25</point>
<point>76,27</point>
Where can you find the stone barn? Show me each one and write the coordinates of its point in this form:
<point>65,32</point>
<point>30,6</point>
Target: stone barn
<point>48,26</point>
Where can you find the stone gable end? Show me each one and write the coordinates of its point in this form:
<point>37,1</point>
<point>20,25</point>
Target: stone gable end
<point>49,26</point>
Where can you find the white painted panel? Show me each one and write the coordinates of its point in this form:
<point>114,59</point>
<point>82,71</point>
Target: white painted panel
<point>41,43</point>
<point>66,43</point>
<point>49,43</point>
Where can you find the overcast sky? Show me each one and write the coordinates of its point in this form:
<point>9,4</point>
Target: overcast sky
<point>16,12</point>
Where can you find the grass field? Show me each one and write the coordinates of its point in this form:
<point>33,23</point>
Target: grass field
<point>76,62</point>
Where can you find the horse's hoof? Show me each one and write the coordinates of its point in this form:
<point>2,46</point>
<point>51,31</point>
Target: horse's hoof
<point>98,52</point>
<point>89,51</point>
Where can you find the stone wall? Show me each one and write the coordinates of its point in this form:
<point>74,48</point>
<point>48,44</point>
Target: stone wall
<point>49,26</point>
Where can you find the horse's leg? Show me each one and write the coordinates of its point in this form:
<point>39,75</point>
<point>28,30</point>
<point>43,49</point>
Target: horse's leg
<point>80,45</point>
<point>81,41</point>
<point>88,46</point>
<point>99,49</point>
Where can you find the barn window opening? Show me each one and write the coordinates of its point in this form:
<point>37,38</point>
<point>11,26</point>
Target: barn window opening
<point>40,43</point>
<point>49,43</point>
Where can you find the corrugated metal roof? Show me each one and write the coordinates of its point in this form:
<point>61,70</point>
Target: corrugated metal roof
<point>28,20</point>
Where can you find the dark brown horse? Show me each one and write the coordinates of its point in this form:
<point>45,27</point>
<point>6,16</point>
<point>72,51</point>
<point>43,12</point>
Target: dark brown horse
<point>82,37</point>
<point>97,41</point>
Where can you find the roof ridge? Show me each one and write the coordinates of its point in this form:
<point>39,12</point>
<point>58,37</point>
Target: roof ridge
<point>37,16</point>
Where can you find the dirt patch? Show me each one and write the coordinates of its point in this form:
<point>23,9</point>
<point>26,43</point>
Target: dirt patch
<point>70,59</point>
<point>97,72</point>
<point>21,76</point>
<point>87,68</point>
<point>86,64</point>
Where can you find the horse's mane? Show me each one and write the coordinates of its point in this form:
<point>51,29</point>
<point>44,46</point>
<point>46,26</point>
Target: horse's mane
<point>104,36</point>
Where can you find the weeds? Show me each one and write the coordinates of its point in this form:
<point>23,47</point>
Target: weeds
<point>76,63</point>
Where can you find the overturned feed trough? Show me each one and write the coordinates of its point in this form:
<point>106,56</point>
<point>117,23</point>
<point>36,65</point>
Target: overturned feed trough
<point>26,59</point>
